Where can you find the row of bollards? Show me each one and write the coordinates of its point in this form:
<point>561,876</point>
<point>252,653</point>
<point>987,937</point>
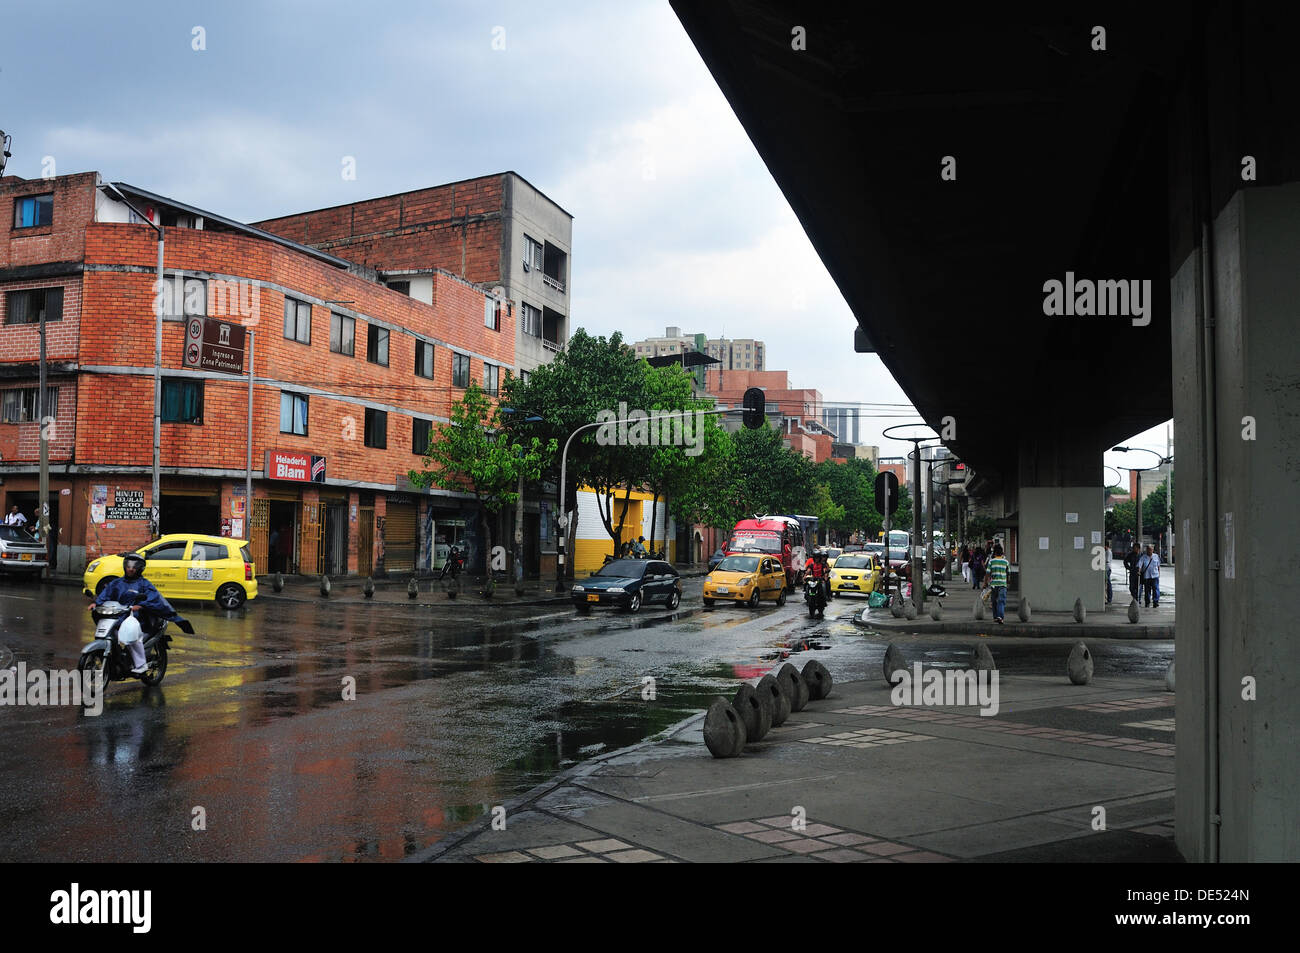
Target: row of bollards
<point>757,709</point>
<point>452,588</point>
<point>1078,667</point>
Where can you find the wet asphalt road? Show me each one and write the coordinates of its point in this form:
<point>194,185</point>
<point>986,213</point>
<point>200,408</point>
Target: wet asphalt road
<point>449,719</point>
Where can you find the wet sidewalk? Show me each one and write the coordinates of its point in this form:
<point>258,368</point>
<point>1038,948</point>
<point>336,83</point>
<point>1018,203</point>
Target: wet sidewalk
<point>957,616</point>
<point>855,779</point>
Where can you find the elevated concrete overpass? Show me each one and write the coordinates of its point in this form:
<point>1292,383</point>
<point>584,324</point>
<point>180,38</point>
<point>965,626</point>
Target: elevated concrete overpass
<point>948,169</point>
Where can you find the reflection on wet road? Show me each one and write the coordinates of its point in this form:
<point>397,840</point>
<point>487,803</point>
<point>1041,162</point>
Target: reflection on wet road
<point>449,717</point>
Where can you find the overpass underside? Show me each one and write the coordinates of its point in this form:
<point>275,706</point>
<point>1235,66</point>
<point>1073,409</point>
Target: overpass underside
<point>949,170</point>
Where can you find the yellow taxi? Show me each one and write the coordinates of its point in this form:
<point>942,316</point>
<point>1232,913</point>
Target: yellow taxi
<point>187,566</point>
<point>832,555</point>
<point>747,579</point>
<point>856,573</point>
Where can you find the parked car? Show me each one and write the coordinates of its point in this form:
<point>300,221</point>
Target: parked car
<point>832,555</point>
<point>187,566</point>
<point>855,573</point>
<point>20,551</point>
<point>629,583</point>
<point>747,579</point>
<point>717,557</point>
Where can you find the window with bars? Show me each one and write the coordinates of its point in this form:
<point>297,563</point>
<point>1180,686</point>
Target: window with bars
<point>19,406</point>
<point>297,320</point>
<point>26,307</point>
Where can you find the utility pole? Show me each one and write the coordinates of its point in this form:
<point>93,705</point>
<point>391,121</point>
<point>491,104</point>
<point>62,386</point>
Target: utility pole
<point>1169,493</point>
<point>43,513</point>
<point>248,463</point>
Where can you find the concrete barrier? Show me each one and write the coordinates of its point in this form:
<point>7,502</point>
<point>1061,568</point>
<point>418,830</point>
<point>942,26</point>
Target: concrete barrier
<point>1169,678</point>
<point>978,611</point>
<point>789,676</point>
<point>724,731</point>
<point>780,701</point>
<point>1079,665</point>
<point>756,716</point>
<point>818,679</point>
<point>982,659</point>
<point>1023,610</point>
<point>894,662</point>
<point>1080,613</point>
<point>1133,610</point>
<point>325,586</point>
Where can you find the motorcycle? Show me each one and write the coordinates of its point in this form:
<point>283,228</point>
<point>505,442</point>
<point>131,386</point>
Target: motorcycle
<point>107,656</point>
<point>814,594</point>
<point>454,564</point>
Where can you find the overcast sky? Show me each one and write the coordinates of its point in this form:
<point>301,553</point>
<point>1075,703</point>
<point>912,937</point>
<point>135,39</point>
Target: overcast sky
<point>605,107</point>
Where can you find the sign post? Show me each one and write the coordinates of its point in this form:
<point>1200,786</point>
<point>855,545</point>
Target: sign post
<point>248,466</point>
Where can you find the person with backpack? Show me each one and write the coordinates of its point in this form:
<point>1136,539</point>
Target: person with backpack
<point>977,568</point>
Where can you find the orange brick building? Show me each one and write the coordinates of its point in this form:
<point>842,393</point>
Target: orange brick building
<point>800,408</point>
<point>350,375</point>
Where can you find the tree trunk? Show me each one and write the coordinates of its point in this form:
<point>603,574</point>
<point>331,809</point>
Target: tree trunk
<point>654,520</point>
<point>622,517</point>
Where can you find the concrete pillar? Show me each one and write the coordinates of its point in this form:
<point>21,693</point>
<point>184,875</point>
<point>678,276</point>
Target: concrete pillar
<point>1234,245</point>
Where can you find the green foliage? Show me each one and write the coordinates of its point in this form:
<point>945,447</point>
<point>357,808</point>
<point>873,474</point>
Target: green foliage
<point>980,529</point>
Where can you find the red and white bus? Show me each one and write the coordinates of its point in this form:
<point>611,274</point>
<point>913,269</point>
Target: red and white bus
<point>779,536</point>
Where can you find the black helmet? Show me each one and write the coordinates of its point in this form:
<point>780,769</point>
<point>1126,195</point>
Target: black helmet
<point>134,559</point>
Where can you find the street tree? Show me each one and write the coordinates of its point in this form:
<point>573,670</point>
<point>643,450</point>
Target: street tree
<point>471,454</point>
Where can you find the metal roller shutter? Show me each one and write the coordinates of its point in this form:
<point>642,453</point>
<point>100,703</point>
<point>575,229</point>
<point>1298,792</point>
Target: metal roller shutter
<point>400,538</point>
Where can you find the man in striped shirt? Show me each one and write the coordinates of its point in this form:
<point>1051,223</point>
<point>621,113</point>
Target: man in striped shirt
<point>997,569</point>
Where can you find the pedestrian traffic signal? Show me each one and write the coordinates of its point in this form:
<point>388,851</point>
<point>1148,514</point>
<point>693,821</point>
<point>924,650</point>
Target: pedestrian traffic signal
<point>885,480</point>
<point>755,408</point>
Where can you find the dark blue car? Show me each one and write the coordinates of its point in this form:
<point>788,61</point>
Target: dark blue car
<point>629,583</point>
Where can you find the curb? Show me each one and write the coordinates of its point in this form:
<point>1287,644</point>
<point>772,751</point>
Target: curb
<point>1040,630</point>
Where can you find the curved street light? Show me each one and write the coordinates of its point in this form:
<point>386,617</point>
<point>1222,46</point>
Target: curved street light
<point>1160,461</point>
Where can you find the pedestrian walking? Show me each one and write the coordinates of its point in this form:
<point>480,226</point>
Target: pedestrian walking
<point>1109,556</point>
<point>977,568</point>
<point>1131,561</point>
<point>997,569</point>
<point>1149,569</point>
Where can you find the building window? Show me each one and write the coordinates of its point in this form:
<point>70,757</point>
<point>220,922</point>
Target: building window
<point>19,406</point>
<point>492,313</point>
<point>420,430</point>
<point>491,379</point>
<point>33,210</point>
<point>297,320</point>
<point>182,400</point>
<point>531,318</point>
<point>403,286</point>
<point>424,359</point>
<point>377,345</point>
<point>459,370</point>
<point>377,429</point>
<point>523,377</point>
<point>343,332</point>
<point>533,254</point>
<point>26,307</point>
<point>185,297</point>
<point>293,413</point>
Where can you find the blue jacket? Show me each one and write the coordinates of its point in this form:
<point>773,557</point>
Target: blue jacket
<point>137,592</point>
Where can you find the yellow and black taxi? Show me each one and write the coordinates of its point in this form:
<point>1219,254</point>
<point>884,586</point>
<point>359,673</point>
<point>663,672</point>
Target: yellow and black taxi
<point>856,573</point>
<point>187,566</point>
<point>629,583</point>
<point>747,579</point>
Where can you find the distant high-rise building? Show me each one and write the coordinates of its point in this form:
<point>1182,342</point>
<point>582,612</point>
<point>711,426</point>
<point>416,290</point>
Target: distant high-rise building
<point>734,354</point>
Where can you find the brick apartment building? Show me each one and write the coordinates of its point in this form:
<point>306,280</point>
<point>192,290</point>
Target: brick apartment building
<point>350,375</point>
<point>497,231</point>
<point>796,411</point>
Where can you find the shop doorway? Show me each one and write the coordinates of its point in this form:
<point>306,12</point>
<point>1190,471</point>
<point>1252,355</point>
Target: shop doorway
<point>446,534</point>
<point>190,514</point>
<point>336,539</point>
<point>282,535</point>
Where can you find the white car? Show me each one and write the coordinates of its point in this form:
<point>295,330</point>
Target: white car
<point>20,551</point>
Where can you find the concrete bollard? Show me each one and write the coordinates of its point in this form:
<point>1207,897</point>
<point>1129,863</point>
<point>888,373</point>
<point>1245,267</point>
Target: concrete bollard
<point>1079,665</point>
<point>909,611</point>
<point>325,585</point>
<point>756,716</point>
<point>789,676</point>
<point>724,731</point>
<point>277,582</point>
<point>1023,609</point>
<point>979,608</point>
<point>769,686</point>
<point>452,588</point>
<point>896,606</point>
<point>769,704</point>
<point>368,587</point>
<point>936,611</point>
<point>894,662</point>
<point>1080,613</point>
<point>1169,678</point>
<point>818,679</point>
<point>982,659</point>
<point>412,589</point>
<point>1133,610</point>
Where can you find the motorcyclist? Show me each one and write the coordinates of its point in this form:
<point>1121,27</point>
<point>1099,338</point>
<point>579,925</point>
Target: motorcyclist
<point>133,590</point>
<point>818,570</point>
<point>638,548</point>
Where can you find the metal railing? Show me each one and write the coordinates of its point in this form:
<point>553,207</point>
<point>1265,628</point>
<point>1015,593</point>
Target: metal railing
<point>555,283</point>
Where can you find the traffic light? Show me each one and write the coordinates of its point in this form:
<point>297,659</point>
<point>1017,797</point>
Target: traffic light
<point>755,408</point>
<point>885,479</point>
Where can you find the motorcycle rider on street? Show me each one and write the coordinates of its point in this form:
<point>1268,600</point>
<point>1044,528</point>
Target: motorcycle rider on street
<point>133,590</point>
<point>819,571</point>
